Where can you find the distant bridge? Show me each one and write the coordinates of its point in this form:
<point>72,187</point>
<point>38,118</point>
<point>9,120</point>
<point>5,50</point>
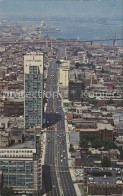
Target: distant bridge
<point>54,41</point>
<point>104,40</point>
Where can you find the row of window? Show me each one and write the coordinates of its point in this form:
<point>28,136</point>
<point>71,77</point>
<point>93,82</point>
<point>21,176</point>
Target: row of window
<point>33,76</point>
<point>18,176</point>
<point>29,185</point>
<point>17,179</point>
<point>13,155</point>
<point>34,117</point>
<point>16,151</point>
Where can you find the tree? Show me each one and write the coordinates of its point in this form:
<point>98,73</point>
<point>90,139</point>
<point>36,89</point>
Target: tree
<point>93,101</point>
<point>93,67</point>
<point>97,143</point>
<point>86,138</point>
<point>106,162</point>
<point>71,149</point>
<point>109,145</point>
<point>7,191</point>
<point>83,143</point>
<point>105,71</point>
<point>89,137</point>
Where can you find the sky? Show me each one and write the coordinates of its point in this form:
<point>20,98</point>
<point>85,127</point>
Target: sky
<point>111,9</point>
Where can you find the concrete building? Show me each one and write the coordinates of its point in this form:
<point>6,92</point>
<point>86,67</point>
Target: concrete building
<point>104,130</point>
<point>13,107</point>
<point>5,139</point>
<point>76,90</point>
<point>64,75</point>
<point>21,167</point>
<point>103,181</point>
<point>4,123</point>
<point>64,78</point>
<point>33,87</point>
<point>82,57</point>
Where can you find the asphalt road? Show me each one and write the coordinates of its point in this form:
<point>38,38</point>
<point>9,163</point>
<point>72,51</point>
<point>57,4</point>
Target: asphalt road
<point>56,149</point>
<point>49,171</point>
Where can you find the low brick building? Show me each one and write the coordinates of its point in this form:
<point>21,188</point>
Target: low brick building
<point>15,108</point>
<point>103,181</point>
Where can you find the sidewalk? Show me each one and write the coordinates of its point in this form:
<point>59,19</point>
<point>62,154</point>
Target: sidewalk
<point>69,155</point>
<point>43,153</point>
<point>44,146</point>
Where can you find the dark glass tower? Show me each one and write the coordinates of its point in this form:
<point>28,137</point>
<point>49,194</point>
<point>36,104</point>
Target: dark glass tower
<point>33,87</point>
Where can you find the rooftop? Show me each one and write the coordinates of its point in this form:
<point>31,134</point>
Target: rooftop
<point>25,145</point>
<point>102,126</point>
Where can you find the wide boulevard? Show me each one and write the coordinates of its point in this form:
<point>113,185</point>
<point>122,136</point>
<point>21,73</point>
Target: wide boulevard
<point>57,178</point>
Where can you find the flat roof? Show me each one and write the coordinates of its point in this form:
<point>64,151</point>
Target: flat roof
<point>4,120</point>
<point>104,126</point>
<point>25,145</point>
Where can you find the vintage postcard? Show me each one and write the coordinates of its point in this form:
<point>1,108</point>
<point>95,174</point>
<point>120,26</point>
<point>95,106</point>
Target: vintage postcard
<point>61,97</point>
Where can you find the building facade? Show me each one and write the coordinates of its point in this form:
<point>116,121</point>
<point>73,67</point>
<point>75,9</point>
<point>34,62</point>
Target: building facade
<point>21,167</point>
<point>76,90</point>
<point>33,88</point>
<point>64,76</point>
<point>1,181</point>
<point>106,181</point>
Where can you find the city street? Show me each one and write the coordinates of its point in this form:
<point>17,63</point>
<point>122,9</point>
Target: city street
<point>56,149</point>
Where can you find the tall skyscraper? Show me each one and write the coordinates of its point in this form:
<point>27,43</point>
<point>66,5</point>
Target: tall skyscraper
<point>76,90</point>
<point>33,87</point>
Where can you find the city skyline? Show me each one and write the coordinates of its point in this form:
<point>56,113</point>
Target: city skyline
<point>61,98</point>
<point>91,19</point>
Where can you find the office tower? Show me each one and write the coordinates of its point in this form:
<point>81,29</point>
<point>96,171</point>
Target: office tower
<point>64,73</point>
<point>21,167</point>
<point>33,87</point>
<point>76,90</point>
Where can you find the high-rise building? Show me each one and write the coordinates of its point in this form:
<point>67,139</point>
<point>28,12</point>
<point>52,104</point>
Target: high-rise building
<point>64,76</point>
<point>33,88</point>
<point>21,166</point>
<point>76,90</point>
<point>64,73</point>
